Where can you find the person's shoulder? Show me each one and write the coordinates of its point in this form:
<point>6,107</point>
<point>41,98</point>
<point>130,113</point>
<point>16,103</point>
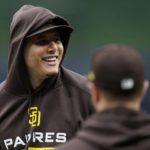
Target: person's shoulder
<point>2,85</point>
<point>2,88</point>
<point>74,79</point>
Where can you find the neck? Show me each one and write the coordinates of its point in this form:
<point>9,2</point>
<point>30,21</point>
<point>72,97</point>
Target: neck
<point>35,81</point>
<point>131,104</point>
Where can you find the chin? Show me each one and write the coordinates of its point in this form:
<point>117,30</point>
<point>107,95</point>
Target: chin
<point>53,72</point>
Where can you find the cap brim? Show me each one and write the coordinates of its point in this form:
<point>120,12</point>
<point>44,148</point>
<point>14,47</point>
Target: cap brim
<point>63,28</point>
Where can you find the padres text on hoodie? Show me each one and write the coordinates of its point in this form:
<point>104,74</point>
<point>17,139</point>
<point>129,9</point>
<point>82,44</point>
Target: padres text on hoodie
<point>50,115</point>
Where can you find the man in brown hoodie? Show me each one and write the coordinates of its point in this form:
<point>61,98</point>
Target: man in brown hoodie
<point>118,85</point>
<point>42,104</point>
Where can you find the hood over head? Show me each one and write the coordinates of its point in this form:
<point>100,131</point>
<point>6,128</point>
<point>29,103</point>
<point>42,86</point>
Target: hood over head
<point>29,21</point>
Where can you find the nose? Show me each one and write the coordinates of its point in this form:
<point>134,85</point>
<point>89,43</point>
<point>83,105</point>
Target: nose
<point>52,47</point>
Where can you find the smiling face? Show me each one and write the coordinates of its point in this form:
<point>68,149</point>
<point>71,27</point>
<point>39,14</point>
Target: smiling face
<point>43,54</point>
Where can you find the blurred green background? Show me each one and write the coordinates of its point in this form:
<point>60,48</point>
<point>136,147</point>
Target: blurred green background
<point>95,23</point>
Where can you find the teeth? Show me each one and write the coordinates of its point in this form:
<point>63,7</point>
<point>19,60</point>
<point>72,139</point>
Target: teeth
<point>50,59</point>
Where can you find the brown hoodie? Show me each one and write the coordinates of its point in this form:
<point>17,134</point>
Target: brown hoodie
<point>52,113</point>
<point>118,128</point>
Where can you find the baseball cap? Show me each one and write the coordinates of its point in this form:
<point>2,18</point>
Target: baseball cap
<point>118,69</point>
<point>58,23</point>
<point>50,25</point>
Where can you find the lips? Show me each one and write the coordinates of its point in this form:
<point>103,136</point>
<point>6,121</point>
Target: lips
<point>52,60</point>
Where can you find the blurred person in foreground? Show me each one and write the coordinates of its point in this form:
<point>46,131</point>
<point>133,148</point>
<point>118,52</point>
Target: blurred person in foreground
<point>42,103</point>
<point>118,85</point>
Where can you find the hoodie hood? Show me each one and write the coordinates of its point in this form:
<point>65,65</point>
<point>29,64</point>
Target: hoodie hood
<point>29,21</point>
<point>117,128</point>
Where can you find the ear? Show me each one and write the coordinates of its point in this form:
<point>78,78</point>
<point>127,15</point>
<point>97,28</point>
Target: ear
<point>144,89</point>
<point>95,92</point>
